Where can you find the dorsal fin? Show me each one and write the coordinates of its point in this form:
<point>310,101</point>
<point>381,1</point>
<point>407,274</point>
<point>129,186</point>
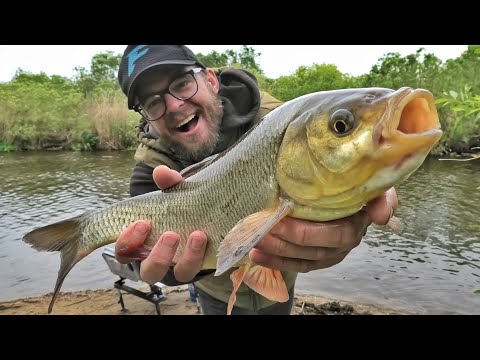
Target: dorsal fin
<point>194,168</point>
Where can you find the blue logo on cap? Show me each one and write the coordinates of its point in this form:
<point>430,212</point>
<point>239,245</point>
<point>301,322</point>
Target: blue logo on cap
<point>134,55</point>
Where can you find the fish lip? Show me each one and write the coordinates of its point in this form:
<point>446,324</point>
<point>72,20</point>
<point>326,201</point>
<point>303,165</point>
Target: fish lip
<point>397,122</point>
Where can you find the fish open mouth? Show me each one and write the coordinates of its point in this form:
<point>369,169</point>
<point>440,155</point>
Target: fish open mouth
<point>412,120</point>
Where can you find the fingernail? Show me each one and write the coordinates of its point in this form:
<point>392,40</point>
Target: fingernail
<point>140,228</point>
<point>169,241</point>
<point>391,213</point>
<point>197,243</point>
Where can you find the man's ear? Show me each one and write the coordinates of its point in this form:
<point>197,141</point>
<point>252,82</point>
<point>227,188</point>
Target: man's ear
<point>212,79</point>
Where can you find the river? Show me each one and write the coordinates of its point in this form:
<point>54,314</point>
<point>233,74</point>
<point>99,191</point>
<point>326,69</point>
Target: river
<point>432,267</point>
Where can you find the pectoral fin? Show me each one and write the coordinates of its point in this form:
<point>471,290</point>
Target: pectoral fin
<point>237,277</point>
<point>247,233</point>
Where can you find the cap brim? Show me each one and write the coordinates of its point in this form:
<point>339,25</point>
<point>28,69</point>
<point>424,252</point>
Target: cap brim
<point>131,94</point>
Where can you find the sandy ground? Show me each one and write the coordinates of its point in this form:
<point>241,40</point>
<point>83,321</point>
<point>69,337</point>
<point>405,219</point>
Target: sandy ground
<point>175,302</point>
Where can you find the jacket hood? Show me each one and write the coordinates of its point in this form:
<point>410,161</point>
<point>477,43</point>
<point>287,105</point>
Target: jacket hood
<point>240,97</point>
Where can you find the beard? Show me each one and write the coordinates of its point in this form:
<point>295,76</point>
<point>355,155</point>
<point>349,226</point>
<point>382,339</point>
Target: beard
<point>198,149</point>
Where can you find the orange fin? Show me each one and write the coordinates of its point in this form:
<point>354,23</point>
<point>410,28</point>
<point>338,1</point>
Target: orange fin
<point>247,233</point>
<point>267,282</point>
<point>237,277</point>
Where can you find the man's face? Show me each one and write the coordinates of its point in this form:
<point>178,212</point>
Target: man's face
<point>190,127</point>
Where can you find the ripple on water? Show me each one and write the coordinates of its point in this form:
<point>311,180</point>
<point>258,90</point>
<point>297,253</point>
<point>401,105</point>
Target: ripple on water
<point>432,267</point>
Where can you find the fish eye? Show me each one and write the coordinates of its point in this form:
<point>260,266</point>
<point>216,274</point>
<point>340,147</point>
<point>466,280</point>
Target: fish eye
<point>342,122</point>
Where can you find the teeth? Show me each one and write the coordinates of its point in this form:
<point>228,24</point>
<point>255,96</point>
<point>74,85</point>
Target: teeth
<point>185,121</point>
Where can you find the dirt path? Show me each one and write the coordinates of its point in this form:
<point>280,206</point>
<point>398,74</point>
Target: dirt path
<point>177,302</point>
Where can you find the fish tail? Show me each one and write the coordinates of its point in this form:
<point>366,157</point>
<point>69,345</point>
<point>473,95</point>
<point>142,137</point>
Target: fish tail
<point>64,236</point>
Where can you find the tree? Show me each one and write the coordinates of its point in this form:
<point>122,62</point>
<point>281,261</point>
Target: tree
<point>307,80</point>
<point>213,59</point>
<point>245,59</point>
<point>102,74</point>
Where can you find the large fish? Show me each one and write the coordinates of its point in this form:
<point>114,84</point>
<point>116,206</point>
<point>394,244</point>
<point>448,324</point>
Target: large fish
<point>319,157</point>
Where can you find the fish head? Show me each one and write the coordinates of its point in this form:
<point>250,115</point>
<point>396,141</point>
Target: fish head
<point>346,147</point>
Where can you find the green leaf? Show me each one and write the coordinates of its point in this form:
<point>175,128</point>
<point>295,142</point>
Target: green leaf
<point>441,101</point>
<point>477,291</point>
<point>472,112</point>
<point>453,94</point>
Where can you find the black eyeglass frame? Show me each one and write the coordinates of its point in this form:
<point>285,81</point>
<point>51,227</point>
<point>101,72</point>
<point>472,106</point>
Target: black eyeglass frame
<point>138,108</point>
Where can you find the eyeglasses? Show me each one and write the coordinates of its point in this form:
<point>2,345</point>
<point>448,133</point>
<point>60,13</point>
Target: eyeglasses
<point>182,87</point>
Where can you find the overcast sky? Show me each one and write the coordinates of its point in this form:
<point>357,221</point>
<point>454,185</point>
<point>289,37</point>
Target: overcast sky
<point>275,60</point>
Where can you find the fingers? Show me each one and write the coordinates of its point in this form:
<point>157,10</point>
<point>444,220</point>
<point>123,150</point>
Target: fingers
<point>343,233</point>
<point>165,177</point>
<point>303,246</point>
<point>381,209</point>
<point>331,257</point>
<point>156,265</point>
<point>274,245</point>
<point>191,262</point>
<point>129,244</point>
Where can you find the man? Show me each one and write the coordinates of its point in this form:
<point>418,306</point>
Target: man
<point>189,113</point>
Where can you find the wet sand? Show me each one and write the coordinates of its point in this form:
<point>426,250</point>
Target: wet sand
<point>176,302</point>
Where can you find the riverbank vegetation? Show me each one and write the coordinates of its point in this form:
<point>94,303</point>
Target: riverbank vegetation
<point>89,111</point>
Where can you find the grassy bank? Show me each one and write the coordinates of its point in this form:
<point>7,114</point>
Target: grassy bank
<point>39,112</point>
<point>67,121</point>
<point>49,119</point>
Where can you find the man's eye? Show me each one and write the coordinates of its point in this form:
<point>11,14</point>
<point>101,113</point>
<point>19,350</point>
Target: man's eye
<point>182,83</point>
<point>150,104</point>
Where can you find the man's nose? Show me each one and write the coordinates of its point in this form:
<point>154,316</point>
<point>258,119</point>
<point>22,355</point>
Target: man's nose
<point>172,103</point>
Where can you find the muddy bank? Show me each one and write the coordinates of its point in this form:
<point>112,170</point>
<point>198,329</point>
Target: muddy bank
<point>176,302</point>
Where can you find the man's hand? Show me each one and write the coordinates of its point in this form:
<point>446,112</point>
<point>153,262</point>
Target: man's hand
<point>129,245</point>
<point>303,246</point>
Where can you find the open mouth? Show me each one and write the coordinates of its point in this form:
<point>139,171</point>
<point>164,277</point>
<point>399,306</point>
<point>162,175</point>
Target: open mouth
<point>413,115</point>
<point>419,114</point>
<point>187,125</point>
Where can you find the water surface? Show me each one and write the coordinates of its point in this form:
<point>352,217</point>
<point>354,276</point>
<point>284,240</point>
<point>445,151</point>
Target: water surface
<point>433,267</point>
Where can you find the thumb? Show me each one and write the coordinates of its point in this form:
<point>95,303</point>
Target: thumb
<point>165,177</point>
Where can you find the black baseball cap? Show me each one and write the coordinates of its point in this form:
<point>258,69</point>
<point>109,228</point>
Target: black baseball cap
<point>138,58</point>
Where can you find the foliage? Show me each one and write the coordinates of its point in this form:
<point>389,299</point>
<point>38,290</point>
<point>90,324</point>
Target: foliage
<point>7,147</point>
<point>36,107</point>
<point>42,112</point>
<point>89,111</point>
<point>462,117</point>
<point>101,76</point>
<point>463,70</point>
<point>245,59</point>
<point>306,80</point>
<point>418,70</point>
